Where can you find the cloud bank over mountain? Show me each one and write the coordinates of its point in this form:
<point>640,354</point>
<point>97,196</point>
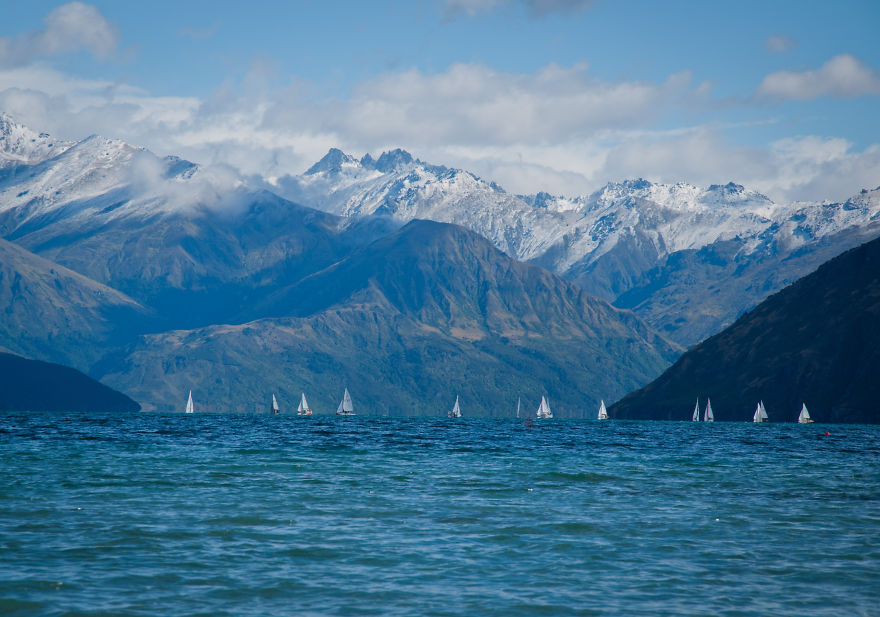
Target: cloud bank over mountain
<point>565,128</point>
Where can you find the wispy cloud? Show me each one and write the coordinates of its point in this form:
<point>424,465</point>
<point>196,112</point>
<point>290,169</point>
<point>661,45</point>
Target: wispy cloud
<point>71,27</point>
<point>779,44</point>
<point>843,76</point>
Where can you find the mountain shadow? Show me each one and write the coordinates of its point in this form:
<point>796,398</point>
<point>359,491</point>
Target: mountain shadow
<point>32,385</point>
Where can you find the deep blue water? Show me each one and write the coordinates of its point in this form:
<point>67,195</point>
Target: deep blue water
<point>259,515</point>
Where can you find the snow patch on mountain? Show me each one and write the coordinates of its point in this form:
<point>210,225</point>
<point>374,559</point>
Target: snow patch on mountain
<point>20,145</point>
<point>564,232</point>
<point>101,179</point>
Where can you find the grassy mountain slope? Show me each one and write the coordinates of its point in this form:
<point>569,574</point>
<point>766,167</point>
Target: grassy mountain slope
<point>52,312</point>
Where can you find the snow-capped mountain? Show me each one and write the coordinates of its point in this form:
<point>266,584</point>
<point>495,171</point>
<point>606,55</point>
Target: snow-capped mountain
<point>608,241</point>
<point>578,229</point>
<point>403,188</point>
<point>103,178</point>
<point>20,145</point>
<point>687,259</point>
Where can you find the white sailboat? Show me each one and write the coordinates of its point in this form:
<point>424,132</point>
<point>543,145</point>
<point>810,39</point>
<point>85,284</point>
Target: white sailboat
<point>189,404</point>
<point>275,409</point>
<point>804,416</point>
<point>603,413</point>
<point>760,413</point>
<point>518,401</point>
<point>708,416</point>
<point>345,407</point>
<point>696,416</point>
<point>456,411</point>
<point>544,410</point>
<point>303,409</point>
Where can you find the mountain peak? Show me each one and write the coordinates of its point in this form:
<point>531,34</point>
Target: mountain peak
<point>333,161</point>
<point>20,145</point>
<point>393,160</point>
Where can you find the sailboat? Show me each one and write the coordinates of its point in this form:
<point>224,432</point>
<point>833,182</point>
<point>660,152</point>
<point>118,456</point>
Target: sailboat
<point>456,411</point>
<point>603,413</point>
<point>345,407</point>
<point>189,403</point>
<point>708,416</point>
<point>804,416</point>
<point>274,409</point>
<point>304,409</point>
<point>544,410</point>
<point>696,416</point>
<point>760,413</point>
<point>518,401</point>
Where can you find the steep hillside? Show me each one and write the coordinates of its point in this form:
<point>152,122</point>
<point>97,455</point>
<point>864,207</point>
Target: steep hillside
<point>815,342</point>
<point>416,317</point>
<point>51,312</point>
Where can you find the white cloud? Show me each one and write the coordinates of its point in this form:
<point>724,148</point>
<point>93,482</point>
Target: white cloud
<point>71,27</point>
<point>558,129</point>
<point>779,44</point>
<point>843,76</point>
<point>472,104</point>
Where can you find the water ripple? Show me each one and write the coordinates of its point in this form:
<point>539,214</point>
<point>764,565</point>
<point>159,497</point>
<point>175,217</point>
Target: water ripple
<point>255,515</point>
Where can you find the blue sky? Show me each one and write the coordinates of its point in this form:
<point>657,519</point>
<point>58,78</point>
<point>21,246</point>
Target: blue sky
<point>557,95</point>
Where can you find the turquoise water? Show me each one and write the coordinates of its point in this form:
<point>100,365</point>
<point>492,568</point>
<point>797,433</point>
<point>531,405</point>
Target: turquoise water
<point>259,515</point>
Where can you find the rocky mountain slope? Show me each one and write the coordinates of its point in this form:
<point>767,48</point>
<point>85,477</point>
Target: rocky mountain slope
<point>653,248</point>
<point>407,322</point>
<point>815,342</point>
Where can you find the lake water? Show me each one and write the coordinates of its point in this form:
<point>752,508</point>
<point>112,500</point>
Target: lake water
<point>260,515</point>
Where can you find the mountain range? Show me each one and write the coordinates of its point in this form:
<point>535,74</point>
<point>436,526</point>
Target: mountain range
<point>185,278</point>
<point>401,279</point>
<point>688,260</point>
<point>816,342</point>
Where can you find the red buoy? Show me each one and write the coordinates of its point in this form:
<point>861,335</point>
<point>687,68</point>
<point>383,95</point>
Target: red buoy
<point>827,433</point>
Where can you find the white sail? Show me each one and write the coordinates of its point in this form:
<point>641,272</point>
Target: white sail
<point>804,416</point>
<point>518,401</point>
<point>189,403</point>
<point>603,413</point>
<point>696,416</point>
<point>456,410</point>
<point>757,415</point>
<point>544,410</point>
<point>275,408</point>
<point>345,407</point>
<point>708,416</point>
<point>303,409</point>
